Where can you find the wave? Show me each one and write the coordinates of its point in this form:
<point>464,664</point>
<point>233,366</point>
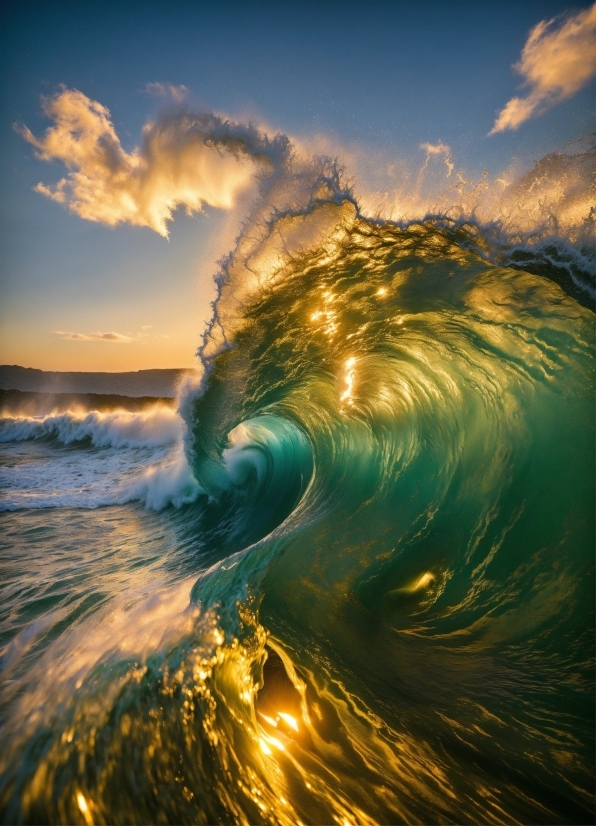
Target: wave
<point>417,595</point>
<point>392,615</point>
<point>159,426</point>
<point>142,460</point>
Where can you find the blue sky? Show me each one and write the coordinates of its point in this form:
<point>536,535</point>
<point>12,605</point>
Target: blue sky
<point>382,78</point>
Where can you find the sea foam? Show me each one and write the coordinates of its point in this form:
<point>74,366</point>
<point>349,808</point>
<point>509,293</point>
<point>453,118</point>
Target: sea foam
<point>140,458</point>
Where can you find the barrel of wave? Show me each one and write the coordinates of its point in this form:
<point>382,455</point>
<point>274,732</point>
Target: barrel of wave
<point>261,473</point>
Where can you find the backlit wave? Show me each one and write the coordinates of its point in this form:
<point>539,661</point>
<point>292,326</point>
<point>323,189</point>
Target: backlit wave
<point>390,563</point>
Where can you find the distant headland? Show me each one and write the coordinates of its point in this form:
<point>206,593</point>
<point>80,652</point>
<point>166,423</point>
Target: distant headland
<point>160,383</point>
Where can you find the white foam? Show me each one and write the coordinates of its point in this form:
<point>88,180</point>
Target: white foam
<point>123,457</point>
<point>170,483</point>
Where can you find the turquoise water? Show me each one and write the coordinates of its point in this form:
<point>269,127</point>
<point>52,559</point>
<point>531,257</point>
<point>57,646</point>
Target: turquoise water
<point>374,602</point>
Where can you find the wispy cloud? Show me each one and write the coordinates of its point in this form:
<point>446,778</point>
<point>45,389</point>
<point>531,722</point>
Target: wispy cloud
<point>115,338</point>
<point>184,160</point>
<point>177,93</point>
<point>559,57</point>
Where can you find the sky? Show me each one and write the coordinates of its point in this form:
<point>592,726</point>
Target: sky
<point>96,276</point>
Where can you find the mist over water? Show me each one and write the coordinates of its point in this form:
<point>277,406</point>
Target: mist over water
<point>373,599</point>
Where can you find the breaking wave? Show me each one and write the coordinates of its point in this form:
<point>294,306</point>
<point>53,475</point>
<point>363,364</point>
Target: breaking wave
<point>159,426</point>
<point>93,459</point>
<point>392,613</point>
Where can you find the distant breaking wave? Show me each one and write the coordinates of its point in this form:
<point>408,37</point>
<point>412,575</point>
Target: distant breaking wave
<point>159,426</point>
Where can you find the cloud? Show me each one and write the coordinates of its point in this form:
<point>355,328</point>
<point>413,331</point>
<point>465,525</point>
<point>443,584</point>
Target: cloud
<point>559,57</point>
<point>177,93</point>
<point>184,160</point>
<point>438,149</point>
<point>116,338</point>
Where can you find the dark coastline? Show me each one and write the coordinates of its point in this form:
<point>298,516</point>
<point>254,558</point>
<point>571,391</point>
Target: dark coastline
<point>140,383</point>
<point>30,403</point>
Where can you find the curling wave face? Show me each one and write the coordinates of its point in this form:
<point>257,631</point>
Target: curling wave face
<point>393,619</point>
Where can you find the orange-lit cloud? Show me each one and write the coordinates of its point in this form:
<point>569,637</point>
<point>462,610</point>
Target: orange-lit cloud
<point>558,58</point>
<point>114,338</point>
<point>185,160</point>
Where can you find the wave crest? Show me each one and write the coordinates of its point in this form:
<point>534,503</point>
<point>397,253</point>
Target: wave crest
<point>159,426</point>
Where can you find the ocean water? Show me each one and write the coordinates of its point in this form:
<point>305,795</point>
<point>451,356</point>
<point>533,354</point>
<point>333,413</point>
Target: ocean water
<point>351,580</point>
